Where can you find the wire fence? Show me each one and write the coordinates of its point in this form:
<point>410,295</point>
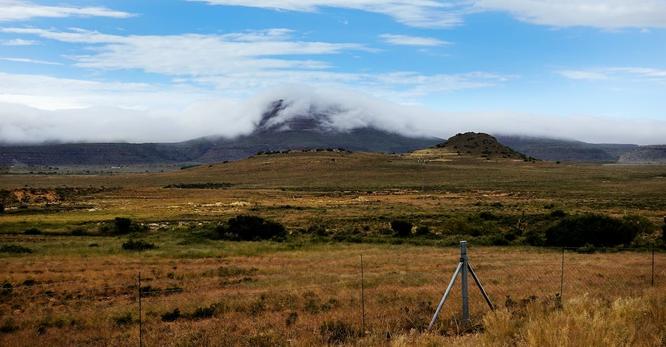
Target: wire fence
<point>388,293</point>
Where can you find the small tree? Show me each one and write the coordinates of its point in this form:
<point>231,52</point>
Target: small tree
<point>2,208</point>
<point>663,231</point>
<point>402,228</point>
<point>122,225</point>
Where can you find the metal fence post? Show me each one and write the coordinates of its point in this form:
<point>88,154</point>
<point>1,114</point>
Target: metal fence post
<point>463,280</point>
<point>362,299</point>
<point>562,279</point>
<point>140,312</point>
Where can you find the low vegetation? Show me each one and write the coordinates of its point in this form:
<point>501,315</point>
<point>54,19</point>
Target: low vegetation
<point>200,185</point>
<point>137,245</point>
<point>596,230</point>
<point>251,228</point>
<point>121,226</point>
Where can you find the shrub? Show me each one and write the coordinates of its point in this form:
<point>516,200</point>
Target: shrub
<point>401,228</point>
<point>14,249</point>
<point>535,237</point>
<point>171,316</point>
<point>138,245</point>
<point>252,228</point>
<point>204,312</point>
<point>487,215</point>
<point>595,230</point>
<point>422,231</point>
<point>337,332</point>
<point>8,326</point>
<point>122,226</point>
<point>32,231</point>
<point>6,289</point>
<point>78,232</point>
<point>558,214</point>
<point>123,319</point>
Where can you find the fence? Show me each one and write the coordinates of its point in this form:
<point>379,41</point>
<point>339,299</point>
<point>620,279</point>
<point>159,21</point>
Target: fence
<point>294,295</point>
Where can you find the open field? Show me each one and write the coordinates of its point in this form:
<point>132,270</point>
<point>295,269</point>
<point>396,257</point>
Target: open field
<point>231,293</point>
<point>79,287</point>
<point>345,191</point>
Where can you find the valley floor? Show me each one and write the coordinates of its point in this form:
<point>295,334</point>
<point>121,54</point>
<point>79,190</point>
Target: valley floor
<point>66,281</point>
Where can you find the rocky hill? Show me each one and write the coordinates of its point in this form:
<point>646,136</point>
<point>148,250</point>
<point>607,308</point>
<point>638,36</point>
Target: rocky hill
<point>480,145</point>
<point>469,145</point>
<point>645,155</point>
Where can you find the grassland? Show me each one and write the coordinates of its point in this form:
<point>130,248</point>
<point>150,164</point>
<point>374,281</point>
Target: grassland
<point>82,290</point>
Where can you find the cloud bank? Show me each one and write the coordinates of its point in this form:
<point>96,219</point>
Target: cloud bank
<point>208,116</point>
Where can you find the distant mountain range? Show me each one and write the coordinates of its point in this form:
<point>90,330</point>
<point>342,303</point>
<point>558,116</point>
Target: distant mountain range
<point>273,132</point>
<point>314,129</point>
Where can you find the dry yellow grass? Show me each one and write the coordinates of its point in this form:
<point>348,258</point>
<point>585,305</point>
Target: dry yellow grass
<point>78,300</point>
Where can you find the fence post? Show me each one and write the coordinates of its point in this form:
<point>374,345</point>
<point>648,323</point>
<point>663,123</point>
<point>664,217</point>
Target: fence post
<point>463,280</point>
<point>362,299</point>
<point>562,279</point>
<point>140,312</point>
<point>653,265</point>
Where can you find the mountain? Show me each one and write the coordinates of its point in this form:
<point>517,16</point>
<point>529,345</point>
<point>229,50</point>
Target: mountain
<point>645,155</point>
<point>469,145</point>
<point>480,145</point>
<point>565,150</point>
<point>276,130</point>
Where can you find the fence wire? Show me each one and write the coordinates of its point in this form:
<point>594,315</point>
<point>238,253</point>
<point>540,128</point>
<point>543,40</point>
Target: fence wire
<point>399,293</point>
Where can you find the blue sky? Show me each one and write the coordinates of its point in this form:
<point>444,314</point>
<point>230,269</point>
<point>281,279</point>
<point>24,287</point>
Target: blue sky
<point>172,69</point>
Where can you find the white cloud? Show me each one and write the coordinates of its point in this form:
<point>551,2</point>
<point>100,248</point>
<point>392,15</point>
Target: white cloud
<point>405,40</point>
<point>605,14</point>
<point>243,63</point>
<point>29,61</point>
<point>19,10</point>
<point>636,74</point>
<point>418,13</point>
<point>194,54</point>
<point>192,116</point>
<point>583,75</point>
<point>18,42</point>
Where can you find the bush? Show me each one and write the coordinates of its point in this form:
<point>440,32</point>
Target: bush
<point>422,231</point>
<point>8,326</point>
<point>138,245</point>
<point>14,249</point>
<point>252,228</point>
<point>558,214</point>
<point>204,312</point>
<point>401,228</point>
<point>337,332</point>
<point>32,231</point>
<point>487,215</point>
<point>123,319</point>
<point>122,226</point>
<point>595,230</point>
<point>171,316</point>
